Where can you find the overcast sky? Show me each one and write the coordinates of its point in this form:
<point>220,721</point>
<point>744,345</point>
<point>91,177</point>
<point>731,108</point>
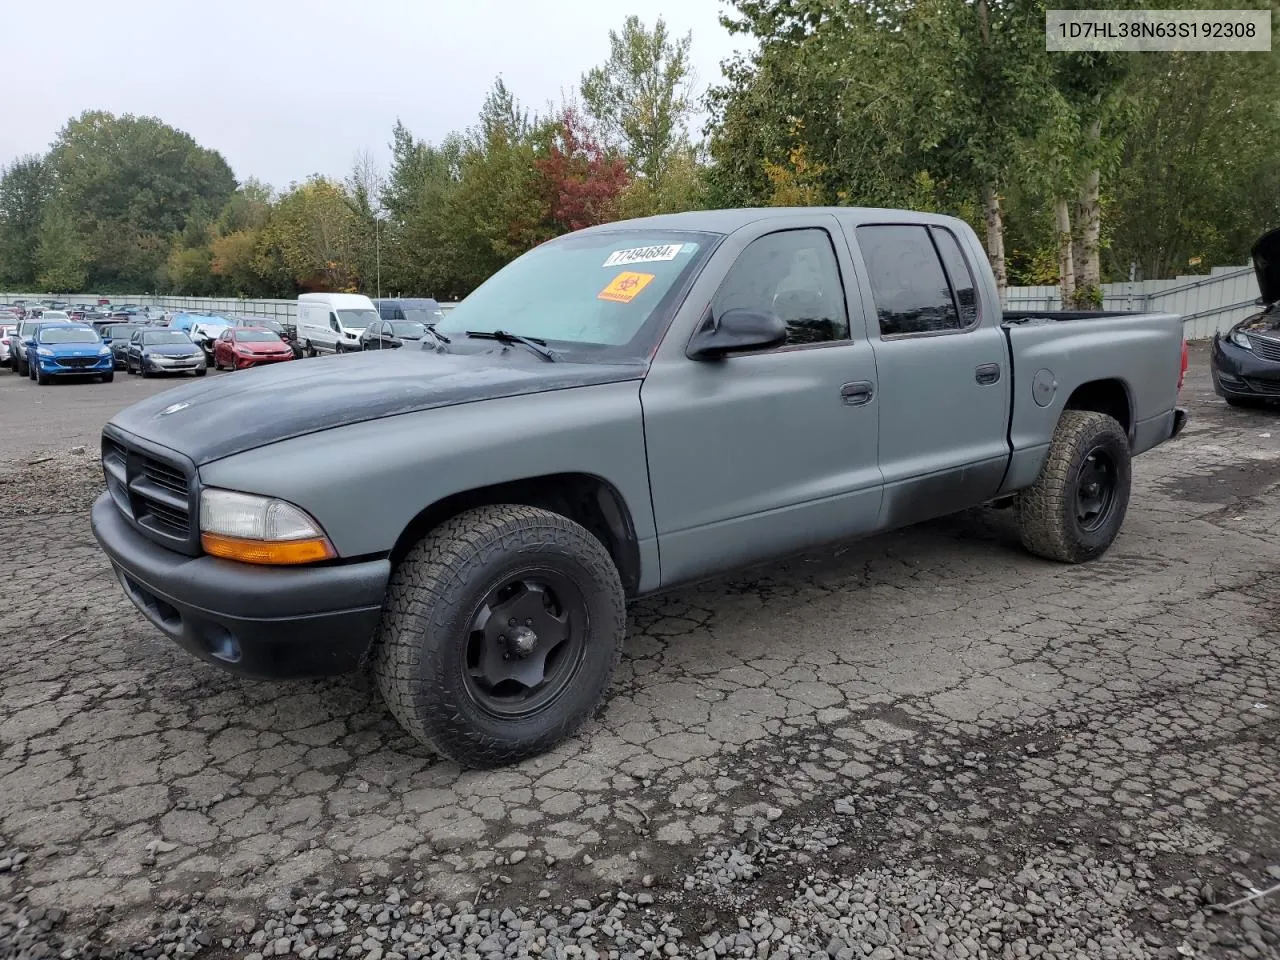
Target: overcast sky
<point>287,88</point>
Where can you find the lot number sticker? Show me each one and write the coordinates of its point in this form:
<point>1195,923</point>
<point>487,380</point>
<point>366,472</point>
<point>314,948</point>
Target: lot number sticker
<point>622,258</point>
<point>625,287</point>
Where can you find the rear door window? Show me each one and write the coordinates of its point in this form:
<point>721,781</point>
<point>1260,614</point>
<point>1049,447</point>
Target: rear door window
<point>908,284</point>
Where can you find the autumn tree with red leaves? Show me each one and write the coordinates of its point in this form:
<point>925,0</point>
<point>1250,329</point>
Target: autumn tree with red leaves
<point>581,180</point>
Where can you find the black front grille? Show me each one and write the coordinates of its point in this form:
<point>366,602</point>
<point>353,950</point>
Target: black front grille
<point>77,362</point>
<point>1268,388</point>
<point>1265,347</point>
<point>164,475</point>
<point>155,490</point>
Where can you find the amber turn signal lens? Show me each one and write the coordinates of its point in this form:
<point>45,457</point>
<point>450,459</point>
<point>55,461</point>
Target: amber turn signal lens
<point>274,552</point>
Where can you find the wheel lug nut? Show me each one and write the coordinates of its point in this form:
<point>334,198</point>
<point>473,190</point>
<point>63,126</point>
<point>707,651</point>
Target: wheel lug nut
<point>528,623</point>
<point>502,638</point>
<point>511,622</point>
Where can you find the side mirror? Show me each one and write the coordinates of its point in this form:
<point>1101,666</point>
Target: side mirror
<point>736,330</point>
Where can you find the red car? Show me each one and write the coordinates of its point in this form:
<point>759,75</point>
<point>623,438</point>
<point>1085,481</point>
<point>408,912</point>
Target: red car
<point>239,347</point>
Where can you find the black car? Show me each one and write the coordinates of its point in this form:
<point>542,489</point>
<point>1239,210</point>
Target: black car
<point>116,336</point>
<point>1246,359</point>
<point>392,334</point>
<point>287,332</point>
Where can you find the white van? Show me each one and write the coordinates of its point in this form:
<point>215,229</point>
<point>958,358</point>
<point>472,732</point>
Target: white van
<point>333,322</point>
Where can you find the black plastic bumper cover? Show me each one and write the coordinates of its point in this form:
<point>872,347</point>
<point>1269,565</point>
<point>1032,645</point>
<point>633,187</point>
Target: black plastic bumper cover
<point>265,622</point>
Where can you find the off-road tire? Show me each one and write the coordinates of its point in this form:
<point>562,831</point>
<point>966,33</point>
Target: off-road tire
<point>419,651</point>
<point>1046,510</point>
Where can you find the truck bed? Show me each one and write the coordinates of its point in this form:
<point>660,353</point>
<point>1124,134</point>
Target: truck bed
<point>1046,316</point>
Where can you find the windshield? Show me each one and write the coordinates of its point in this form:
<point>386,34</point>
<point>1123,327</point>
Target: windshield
<point>118,330</point>
<point>54,315</point>
<point>596,290</point>
<point>68,335</point>
<point>262,322</point>
<point>257,336</point>
<point>356,320</point>
<point>409,329</point>
<point>165,336</point>
<point>423,315</point>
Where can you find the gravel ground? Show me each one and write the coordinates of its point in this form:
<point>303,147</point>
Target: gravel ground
<point>924,745</point>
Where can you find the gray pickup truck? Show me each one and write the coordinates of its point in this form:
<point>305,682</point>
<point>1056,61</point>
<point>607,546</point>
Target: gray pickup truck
<point>620,410</point>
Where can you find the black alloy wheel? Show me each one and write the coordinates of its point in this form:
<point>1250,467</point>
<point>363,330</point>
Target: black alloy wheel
<point>525,643</point>
<point>1096,486</point>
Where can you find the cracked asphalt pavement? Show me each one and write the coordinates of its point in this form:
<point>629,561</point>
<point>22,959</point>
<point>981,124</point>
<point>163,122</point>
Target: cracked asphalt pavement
<point>925,744</point>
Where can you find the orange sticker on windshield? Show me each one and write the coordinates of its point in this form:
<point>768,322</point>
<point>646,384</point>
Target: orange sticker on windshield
<point>625,287</point>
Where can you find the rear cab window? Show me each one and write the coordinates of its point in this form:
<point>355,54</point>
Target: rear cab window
<point>914,293</point>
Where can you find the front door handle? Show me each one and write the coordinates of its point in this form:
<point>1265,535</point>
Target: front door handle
<point>987,373</point>
<point>857,393</point>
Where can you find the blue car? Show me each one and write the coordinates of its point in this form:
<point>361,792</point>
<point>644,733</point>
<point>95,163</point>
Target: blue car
<point>69,349</point>
<point>26,344</point>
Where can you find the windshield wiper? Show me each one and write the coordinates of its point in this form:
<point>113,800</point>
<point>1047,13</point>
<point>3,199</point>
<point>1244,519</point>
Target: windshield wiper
<point>502,336</point>
<point>439,336</point>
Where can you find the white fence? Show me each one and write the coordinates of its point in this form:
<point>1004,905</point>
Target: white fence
<point>1209,303</point>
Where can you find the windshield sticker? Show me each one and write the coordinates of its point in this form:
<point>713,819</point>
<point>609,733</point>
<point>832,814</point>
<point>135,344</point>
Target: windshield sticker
<point>623,258</point>
<point>625,287</point>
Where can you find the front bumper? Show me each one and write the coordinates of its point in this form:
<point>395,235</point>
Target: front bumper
<point>1238,372</point>
<point>164,365</point>
<point>265,622</point>
<point>52,367</point>
<point>243,363</point>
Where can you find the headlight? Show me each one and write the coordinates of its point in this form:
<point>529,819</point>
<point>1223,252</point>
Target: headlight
<point>104,351</point>
<point>44,351</point>
<point>1237,336</point>
<point>256,529</point>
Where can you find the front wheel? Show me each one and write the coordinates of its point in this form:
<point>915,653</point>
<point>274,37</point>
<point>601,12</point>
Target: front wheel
<point>500,633</point>
<point>1075,509</point>
<point>40,377</point>
<point>108,377</point>
<point>202,371</point>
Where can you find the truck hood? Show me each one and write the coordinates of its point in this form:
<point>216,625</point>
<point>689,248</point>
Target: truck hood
<point>1266,264</point>
<point>220,416</point>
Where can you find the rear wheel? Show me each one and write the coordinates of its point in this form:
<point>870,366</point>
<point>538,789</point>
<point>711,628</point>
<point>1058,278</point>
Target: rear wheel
<point>500,633</point>
<point>1075,509</point>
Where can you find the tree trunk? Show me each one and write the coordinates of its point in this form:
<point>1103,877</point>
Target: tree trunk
<point>1089,223</point>
<point>1066,264</point>
<point>995,236</point>
<point>1089,281</point>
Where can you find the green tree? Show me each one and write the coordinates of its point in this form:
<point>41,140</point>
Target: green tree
<point>131,183</point>
<point>417,251</point>
<point>25,187</point>
<point>60,257</point>
<point>641,100</point>
<point>312,239</point>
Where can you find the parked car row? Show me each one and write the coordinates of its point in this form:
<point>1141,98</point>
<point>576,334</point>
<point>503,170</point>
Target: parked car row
<point>149,342</point>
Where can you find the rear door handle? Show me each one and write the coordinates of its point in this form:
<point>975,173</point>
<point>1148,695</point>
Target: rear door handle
<point>857,393</point>
<point>987,373</point>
